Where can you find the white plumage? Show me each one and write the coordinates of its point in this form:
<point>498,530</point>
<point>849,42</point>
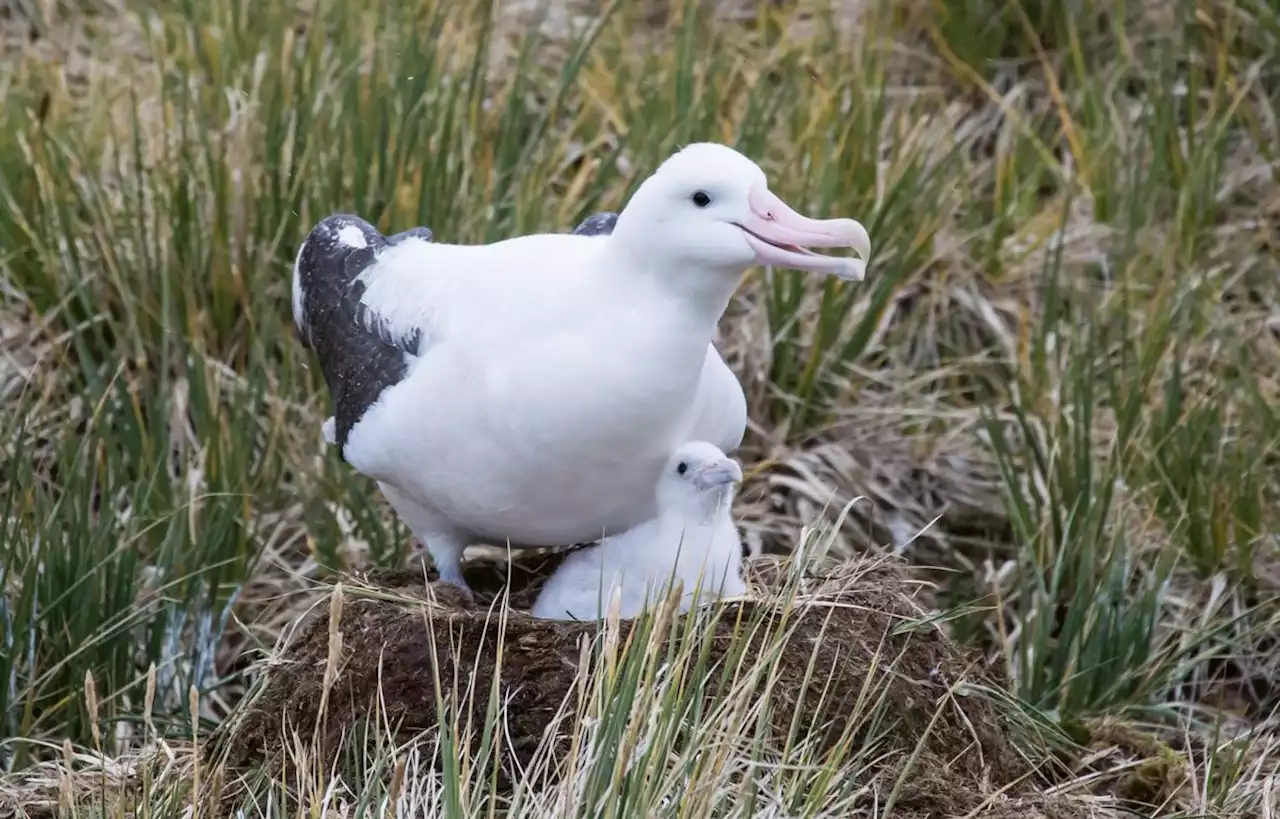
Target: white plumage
<point>692,541</point>
<point>529,391</point>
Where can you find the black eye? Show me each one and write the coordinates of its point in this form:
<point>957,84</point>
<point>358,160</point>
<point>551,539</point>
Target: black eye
<point>701,199</point>
<point>682,468</point>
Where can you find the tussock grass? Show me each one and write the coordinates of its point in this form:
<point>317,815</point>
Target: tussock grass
<point>1055,394</point>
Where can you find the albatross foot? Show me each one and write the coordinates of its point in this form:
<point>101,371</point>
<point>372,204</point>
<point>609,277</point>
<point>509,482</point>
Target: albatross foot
<point>453,576</point>
<point>449,583</point>
<point>444,545</point>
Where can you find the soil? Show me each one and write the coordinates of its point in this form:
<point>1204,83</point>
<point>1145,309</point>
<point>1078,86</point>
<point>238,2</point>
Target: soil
<point>390,620</point>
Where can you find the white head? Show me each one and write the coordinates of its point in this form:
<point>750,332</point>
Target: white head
<point>710,206</point>
<point>697,481</point>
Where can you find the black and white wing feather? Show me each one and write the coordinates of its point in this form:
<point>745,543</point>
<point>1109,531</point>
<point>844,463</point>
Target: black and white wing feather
<point>597,224</point>
<point>358,357</point>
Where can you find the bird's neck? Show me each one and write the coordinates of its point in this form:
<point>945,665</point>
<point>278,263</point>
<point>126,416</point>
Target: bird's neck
<point>698,294</point>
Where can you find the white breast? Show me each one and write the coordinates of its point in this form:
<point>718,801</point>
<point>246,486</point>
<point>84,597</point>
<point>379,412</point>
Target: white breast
<point>544,426</point>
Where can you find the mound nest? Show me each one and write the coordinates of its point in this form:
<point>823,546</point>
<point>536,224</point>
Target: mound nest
<point>850,620</point>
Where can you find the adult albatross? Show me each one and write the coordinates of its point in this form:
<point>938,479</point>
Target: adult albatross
<point>529,391</point>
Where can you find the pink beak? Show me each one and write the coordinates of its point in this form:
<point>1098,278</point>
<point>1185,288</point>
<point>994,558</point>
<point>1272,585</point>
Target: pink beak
<point>780,237</point>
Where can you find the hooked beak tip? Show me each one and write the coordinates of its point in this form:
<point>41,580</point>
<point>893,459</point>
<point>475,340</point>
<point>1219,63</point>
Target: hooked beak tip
<point>855,270</point>
<point>860,240</point>
<point>781,236</point>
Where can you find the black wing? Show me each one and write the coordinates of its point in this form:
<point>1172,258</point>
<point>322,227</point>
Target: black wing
<point>597,224</point>
<point>358,359</point>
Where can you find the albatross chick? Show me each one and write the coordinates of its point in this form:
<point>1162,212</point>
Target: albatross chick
<point>692,541</point>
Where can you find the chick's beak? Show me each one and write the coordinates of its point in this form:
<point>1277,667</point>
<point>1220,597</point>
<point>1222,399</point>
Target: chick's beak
<point>718,474</point>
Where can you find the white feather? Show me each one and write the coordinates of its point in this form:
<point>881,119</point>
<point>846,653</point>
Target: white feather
<point>299,308</point>
<point>352,237</point>
<point>542,404</point>
<point>692,540</point>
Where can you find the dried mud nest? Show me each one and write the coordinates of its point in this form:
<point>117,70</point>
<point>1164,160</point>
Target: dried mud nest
<point>398,626</point>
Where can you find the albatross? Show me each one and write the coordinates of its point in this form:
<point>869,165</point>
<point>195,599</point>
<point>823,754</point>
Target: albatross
<point>529,391</point>
<point>692,540</point>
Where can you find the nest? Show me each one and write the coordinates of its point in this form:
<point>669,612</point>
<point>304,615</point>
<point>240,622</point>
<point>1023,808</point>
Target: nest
<point>401,633</point>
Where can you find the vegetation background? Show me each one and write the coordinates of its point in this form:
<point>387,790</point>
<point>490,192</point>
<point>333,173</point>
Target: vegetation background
<point>1056,392</point>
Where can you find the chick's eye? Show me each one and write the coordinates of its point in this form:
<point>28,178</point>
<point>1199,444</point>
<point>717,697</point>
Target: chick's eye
<point>701,199</point>
<point>682,468</point>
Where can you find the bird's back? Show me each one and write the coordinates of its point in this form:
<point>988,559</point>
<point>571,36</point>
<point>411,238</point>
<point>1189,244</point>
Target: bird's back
<point>369,305</point>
